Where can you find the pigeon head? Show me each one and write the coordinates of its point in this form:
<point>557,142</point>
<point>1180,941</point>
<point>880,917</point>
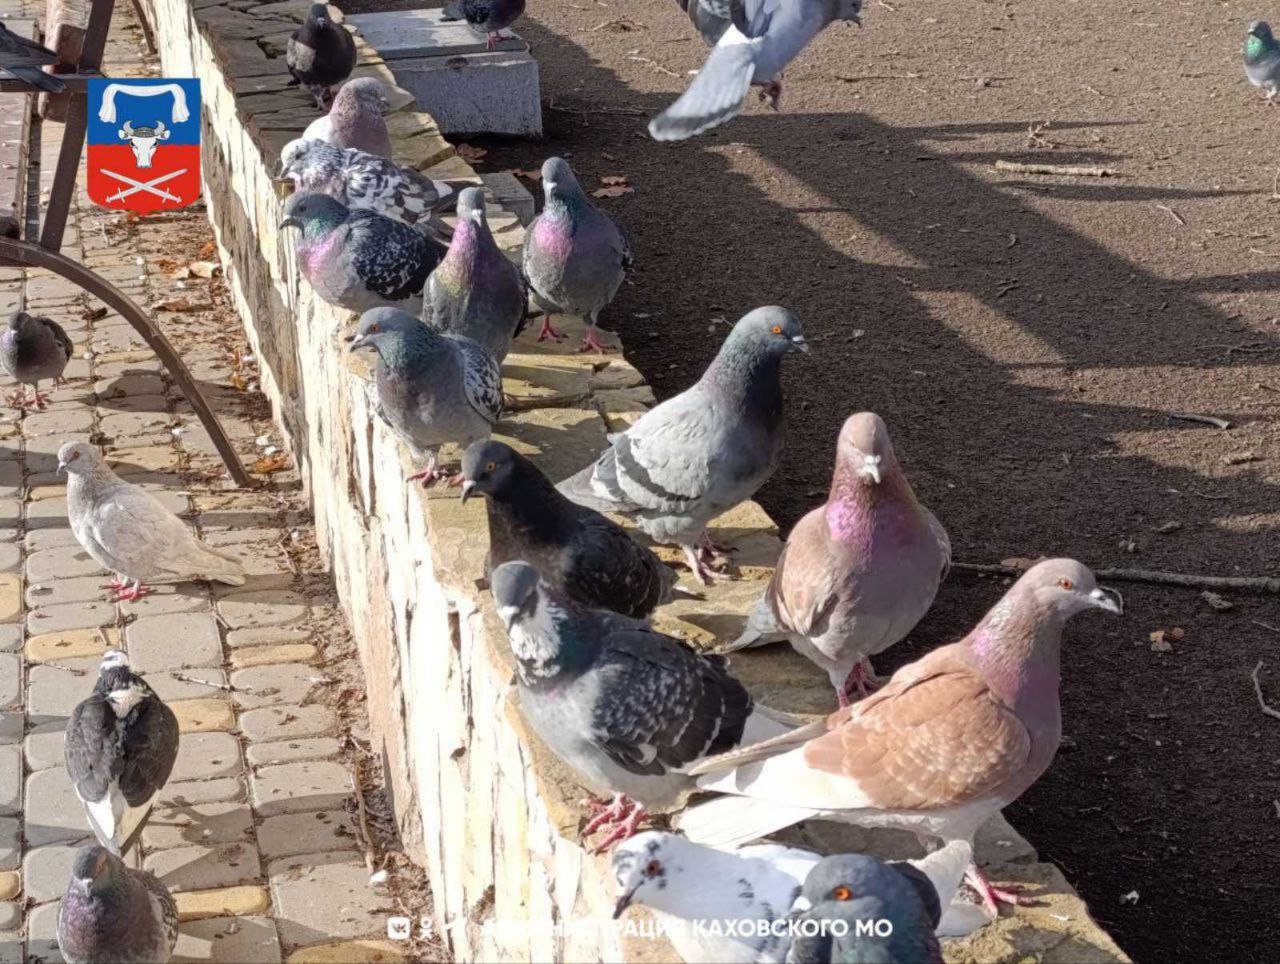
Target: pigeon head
<point>313,214</point>
<point>299,155</point>
<point>319,15</point>
<point>769,331</point>
<point>1260,30</point>
<point>515,588</point>
<point>78,458</point>
<point>487,467</point>
<point>1066,587</point>
<point>471,205</point>
<point>367,92</point>
<point>559,183</point>
<point>848,877</point>
<point>848,10</point>
<point>122,688</point>
<point>643,864</point>
<point>386,329</point>
<point>865,450</point>
<point>20,321</point>
<point>94,871</point>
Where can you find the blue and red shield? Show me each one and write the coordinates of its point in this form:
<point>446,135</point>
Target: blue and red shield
<point>144,143</point>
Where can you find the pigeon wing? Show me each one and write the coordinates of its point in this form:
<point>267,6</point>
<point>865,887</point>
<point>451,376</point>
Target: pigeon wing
<point>607,567</point>
<point>802,592</point>
<point>60,336</point>
<point>481,379</point>
<point>135,528</point>
<point>390,258</point>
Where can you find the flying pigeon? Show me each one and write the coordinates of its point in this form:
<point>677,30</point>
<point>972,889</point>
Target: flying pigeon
<point>33,349</point>
<point>575,256</point>
<point>431,389</point>
<point>763,37</point>
<point>622,704</point>
<point>950,740</point>
<point>710,903</point>
<point>359,260</point>
<point>124,528</point>
<point>856,573</point>
<point>1262,58</point>
<point>476,291</point>
<point>490,17</point>
<point>113,914</point>
<point>120,746</point>
<point>22,59</point>
<point>896,907</point>
<point>575,549</point>
<point>355,118</point>
<point>710,17</point>
<point>320,53</point>
<point>699,454</point>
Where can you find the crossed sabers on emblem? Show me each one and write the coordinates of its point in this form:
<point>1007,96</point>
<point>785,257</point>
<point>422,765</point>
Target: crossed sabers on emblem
<point>151,187</point>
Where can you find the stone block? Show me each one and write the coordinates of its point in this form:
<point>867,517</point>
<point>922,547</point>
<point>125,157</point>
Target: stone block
<point>271,607</point>
<point>174,641</point>
<point>81,615</point>
<point>54,812</point>
<point>196,792</point>
<point>504,190</point>
<point>366,951</point>
<point>205,825</point>
<point>46,870</point>
<point>10,780</point>
<point>273,684</point>
<point>205,867</point>
<point>10,884</point>
<point>10,920</point>
<point>11,850</point>
<point>202,716</point>
<point>235,902</point>
<point>265,655</point>
<point>54,690</point>
<point>203,683</point>
<point>287,722</point>
<point>323,896</point>
<point>301,833</point>
<point>43,747</point>
<point>57,592</point>
<point>10,679</point>
<point>246,940</point>
<point>295,787</point>
<point>71,644</point>
<point>205,756</point>
<point>10,637</point>
<point>290,751</point>
<point>267,636</point>
<point>10,596</point>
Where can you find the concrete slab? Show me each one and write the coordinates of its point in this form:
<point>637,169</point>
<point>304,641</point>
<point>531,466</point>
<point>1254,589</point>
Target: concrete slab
<point>404,34</point>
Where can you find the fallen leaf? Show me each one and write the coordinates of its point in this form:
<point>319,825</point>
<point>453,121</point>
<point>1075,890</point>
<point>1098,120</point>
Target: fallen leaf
<point>271,463</point>
<point>613,180</point>
<point>93,314</point>
<point>1158,643</point>
<point>612,191</point>
<point>238,381</point>
<point>166,264</point>
<point>1216,602</point>
<point>470,153</point>
<point>175,304</point>
<point>207,249</point>
<point>530,175</point>
<point>204,269</point>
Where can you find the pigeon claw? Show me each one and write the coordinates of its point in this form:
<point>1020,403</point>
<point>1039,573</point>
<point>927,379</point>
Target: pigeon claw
<point>861,680</point>
<point>772,93</point>
<point>591,342</point>
<point>549,330</point>
<point>992,896</point>
<point>620,818</point>
<point>131,593</point>
<point>492,39</point>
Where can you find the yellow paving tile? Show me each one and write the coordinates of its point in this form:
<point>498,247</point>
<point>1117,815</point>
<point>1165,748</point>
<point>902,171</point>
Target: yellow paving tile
<point>265,655</point>
<point>368,951</point>
<point>10,884</point>
<point>72,643</point>
<point>203,715</point>
<point>223,902</point>
<point>10,597</point>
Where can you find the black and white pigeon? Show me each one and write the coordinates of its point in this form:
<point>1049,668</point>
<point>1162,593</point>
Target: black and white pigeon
<point>575,549</point>
<point>625,706</point>
<point>761,39</point>
<point>320,53</point>
<point>699,454</point>
<point>113,914</point>
<point>431,389</point>
<point>121,744</point>
<point>22,59</point>
<point>359,260</point>
<point>489,17</point>
<point>33,349</point>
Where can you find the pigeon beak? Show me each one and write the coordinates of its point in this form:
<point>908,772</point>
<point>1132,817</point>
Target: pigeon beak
<point>856,19</point>
<point>82,885</point>
<point>800,905</point>
<point>623,903</point>
<point>354,342</point>
<point>1108,599</point>
<point>62,466</point>
<point>467,486</point>
<point>871,469</point>
<point>799,343</point>
<point>290,222</point>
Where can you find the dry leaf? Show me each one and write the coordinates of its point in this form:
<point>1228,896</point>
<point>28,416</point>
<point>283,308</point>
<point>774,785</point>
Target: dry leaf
<point>93,314</point>
<point>180,274</point>
<point>207,249</point>
<point>612,191</point>
<point>271,463</point>
<point>238,381</point>
<point>1158,643</point>
<point>530,175</point>
<point>613,180</point>
<point>470,153</point>
<point>1216,602</point>
<point>204,269</point>
<point>166,264</point>
<point>175,304</point>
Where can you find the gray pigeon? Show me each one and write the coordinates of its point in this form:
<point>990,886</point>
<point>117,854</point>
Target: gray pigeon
<point>121,744</point>
<point>22,59</point>
<point>125,529</point>
<point>489,17</point>
<point>1262,58</point>
<point>575,549</point>
<point>113,914</point>
<point>575,256</point>
<point>355,119</point>
<point>711,17</point>
<point>431,389</point>
<point>763,37</point>
<point>320,53</point>
<point>33,349</point>
<point>476,291</point>
<point>359,260</point>
<point>858,572</point>
<point>699,454</point>
<point>622,704</point>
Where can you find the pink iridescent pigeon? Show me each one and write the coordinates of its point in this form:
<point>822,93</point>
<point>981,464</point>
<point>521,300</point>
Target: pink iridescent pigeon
<point>858,572</point>
<point>950,740</point>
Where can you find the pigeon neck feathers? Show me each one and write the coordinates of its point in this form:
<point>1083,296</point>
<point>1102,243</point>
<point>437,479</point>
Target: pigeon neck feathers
<point>747,376</point>
<point>855,506</point>
<point>551,646</point>
<point>1017,649</point>
<point>408,350</point>
<point>1256,48</point>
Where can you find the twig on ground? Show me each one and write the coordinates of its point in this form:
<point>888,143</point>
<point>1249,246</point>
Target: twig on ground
<point>1258,584</point>
<point>581,112</point>
<point>183,678</point>
<point>654,65</point>
<point>1257,689</point>
<point>1259,622</point>
<point>1202,419</point>
<point>1063,170</point>
<point>1172,213</point>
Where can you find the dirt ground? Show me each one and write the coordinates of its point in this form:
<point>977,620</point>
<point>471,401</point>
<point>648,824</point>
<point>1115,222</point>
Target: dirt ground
<point>1028,340</point>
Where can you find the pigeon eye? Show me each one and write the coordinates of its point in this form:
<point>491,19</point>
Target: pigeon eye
<point>491,466</point>
<point>653,868</point>
<point>1066,584</point>
<point>374,328</point>
<point>777,329</point>
<point>842,893</point>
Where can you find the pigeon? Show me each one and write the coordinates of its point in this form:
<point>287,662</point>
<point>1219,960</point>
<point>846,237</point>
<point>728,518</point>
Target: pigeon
<point>476,291</point>
<point>33,349</point>
<point>623,705</point>
<point>22,59</point>
<point>865,910</point>
<point>856,573</point>
<point>113,914</point>
<point>710,17</point>
<point>120,746</point>
<point>356,259</point>
<point>763,37</point>
<point>320,53</point>
<point>575,549</point>
<point>355,118</point>
<point>949,741</point>
<point>711,904</point>
<point>430,389</point>
<point>697,455</point>
<point>124,528</point>
<point>490,17</point>
<point>1262,58</point>
<point>575,256</point>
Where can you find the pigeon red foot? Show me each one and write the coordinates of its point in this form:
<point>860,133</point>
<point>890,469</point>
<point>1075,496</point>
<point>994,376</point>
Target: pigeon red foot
<point>591,342</point>
<point>549,330</point>
<point>992,896</point>
<point>620,817</point>
<point>127,592</point>
<point>861,680</point>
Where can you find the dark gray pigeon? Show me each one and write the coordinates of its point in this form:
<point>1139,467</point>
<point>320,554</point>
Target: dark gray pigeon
<point>320,53</point>
<point>699,454</point>
<point>489,17</point>
<point>1262,58</point>
<point>622,704</point>
<point>33,349</point>
<point>431,389</point>
<point>575,256</point>
<point>121,744</point>
<point>22,59</point>
<point>113,914</point>
<point>762,38</point>
<point>476,291</point>
<point>575,549</point>
<point>355,118</point>
<point>359,260</point>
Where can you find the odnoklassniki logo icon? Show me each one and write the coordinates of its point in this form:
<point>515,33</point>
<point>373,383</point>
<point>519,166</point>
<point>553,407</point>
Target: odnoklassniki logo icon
<point>144,143</point>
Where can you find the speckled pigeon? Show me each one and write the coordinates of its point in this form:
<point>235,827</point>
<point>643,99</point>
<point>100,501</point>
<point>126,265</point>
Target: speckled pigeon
<point>622,704</point>
<point>33,349</point>
<point>764,36</point>
<point>489,17</point>
<point>127,530</point>
<point>856,573</point>
<point>113,914</point>
<point>431,389</point>
<point>22,59</point>
<point>575,549</point>
<point>575,256</point>
<point>320,53</point>
<point>359,260</point>
<point>476,291</point>
<point>1262,58</point>
<point>355,119</point>
<point>121,744</point>
<point>950,740</point>
<point>699,454</point>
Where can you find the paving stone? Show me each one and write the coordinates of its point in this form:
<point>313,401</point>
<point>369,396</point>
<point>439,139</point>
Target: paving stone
<point>300,833</point>
<point>187,597</point>
<point>114,382</point>
<point>10,556</point>
<point>267,636</point>
<point>81,615</point>
<point>204,868</point>
<point>246,940</point>
<point>10,596</point>
<point>266,655</point>
<point>54,812</point>
<point>71,644</point>
<point>222,902</point>
<point>203,824</point>
<point>10,679</point>
<point>368,950</point>
<point>272,607</point>
<point>325,895</point>
<point>43,747</point>
<point>10,850</point>
<point>173,642</point>
<point>154,405</point>
<point>294,787</point>
<point>10,479</point>
<point>10,780</point>
<point>46,870</point>
<point>198,684</point>
<point>11,726</point>
<point>151,458</point>
<point>43,924</point>
<point>134,425</point>
<point>202,716</point>
<point>10,918</point>
<point>274,684</point>
<point>67,421</point>
<point>57,592</point>
<point>206,756</point>
<point>287,722</point>
<point>10,637</point>
<point>196,792</point>
<point>45,539</point>
<point>10,884</point>
<point>47,514</point>
<point>289,751</point>
<point>54,690</point>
